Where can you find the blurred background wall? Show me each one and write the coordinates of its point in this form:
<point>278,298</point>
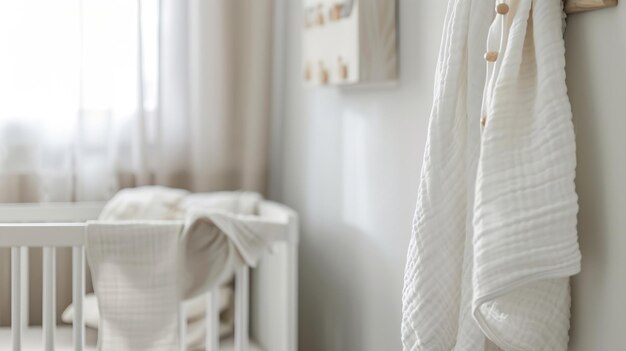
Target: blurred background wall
<point>596,71</point>
<point>349,162</point>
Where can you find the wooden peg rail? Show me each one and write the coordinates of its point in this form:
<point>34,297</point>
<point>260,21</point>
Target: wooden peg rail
<point>575,6</point>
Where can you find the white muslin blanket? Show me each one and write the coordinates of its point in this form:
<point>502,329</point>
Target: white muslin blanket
<point>134,269</point>
<point>494,237</point>
<point>153,247</point>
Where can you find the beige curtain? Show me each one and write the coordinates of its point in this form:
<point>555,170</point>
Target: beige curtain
<point>208,129</point>
<point>227,68</point>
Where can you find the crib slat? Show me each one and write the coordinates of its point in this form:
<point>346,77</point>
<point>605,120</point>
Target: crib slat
<point>78,296</point>
<point>49,297</point>
<point>182,327</point>
<point>241,308</point>
<point>25,286</point>
<point>16,296</point>
<point>212,321</point>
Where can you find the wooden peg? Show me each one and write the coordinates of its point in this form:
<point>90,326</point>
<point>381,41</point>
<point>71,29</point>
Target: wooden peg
<point>323,74</point>
<point>343,69</point>
<point>320,16</point>
<point>574,6</point>
<point>483,121</point>
<point>335,12</point>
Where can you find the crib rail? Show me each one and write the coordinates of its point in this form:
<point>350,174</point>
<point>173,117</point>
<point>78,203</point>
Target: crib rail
<point>50,236</point>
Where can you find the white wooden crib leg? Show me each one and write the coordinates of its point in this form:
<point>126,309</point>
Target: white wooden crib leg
<point>49,297</point>
<point>24,283</point>
<point>242,308</point>
<point>292,294</point>
<point>16,296</point>
<point>212,321</point>
<point>182,327</point>
<point>78,295</point>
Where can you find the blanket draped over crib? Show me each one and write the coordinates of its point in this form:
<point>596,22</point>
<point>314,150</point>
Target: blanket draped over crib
<point>494,237</point>
<point>153,247</point>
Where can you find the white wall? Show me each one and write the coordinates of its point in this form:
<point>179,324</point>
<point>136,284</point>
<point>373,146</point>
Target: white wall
<point>349,162</point>
<point>596,69</point>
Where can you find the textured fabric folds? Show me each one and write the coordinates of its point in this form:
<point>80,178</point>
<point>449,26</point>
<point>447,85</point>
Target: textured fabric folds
<point>494,238</point>
<point>134,270</point>
<point>154,247</point>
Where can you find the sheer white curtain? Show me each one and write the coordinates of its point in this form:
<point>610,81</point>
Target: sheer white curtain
<point>101,94</point>
<point>78,96</point>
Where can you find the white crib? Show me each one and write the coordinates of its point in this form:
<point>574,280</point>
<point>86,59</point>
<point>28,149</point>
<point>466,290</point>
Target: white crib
<point>265,297</point>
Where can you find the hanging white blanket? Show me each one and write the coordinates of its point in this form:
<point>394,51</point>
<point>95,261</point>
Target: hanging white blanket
<point>494,238</point>
<point>134,269</point>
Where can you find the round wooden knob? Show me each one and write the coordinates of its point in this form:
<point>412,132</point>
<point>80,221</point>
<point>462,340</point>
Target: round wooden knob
<point>502,9</point>
<point>491,56</point>
<point>483,120</point>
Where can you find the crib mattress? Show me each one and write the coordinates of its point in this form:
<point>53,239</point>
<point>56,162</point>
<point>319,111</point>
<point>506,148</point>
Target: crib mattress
<point>32,340</point>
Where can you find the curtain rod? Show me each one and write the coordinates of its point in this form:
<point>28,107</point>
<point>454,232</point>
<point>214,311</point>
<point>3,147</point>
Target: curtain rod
<point>575,6</point>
